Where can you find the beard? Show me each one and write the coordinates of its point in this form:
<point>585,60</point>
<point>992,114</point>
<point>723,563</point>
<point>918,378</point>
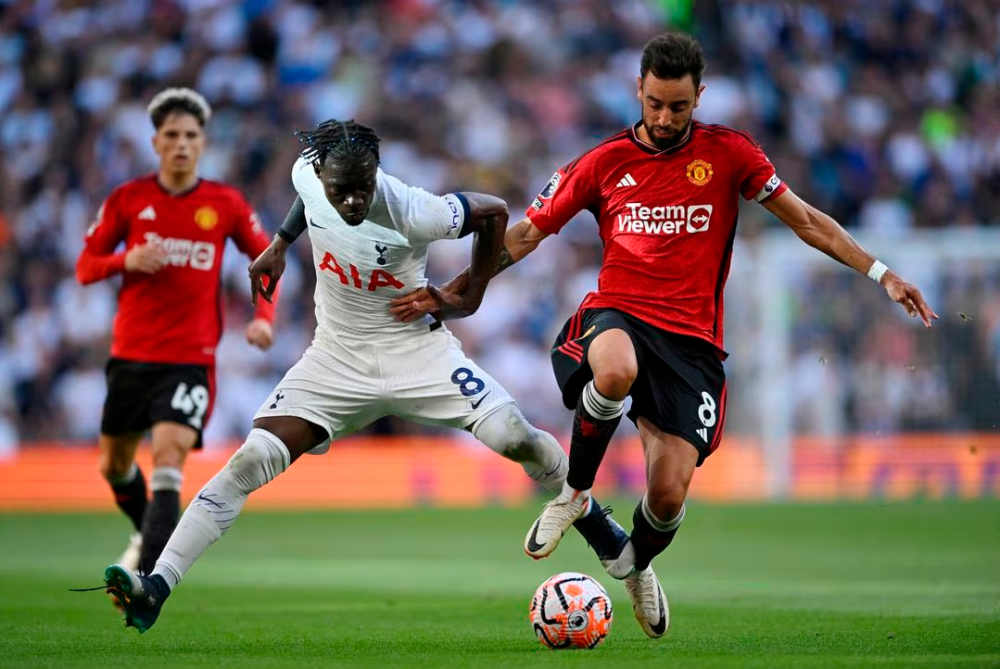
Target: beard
<point>663,143</point>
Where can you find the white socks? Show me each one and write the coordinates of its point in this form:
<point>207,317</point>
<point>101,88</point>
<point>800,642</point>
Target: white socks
<point>570,493</point>
<point>166,478</point>
<point>599,406</point>
<point>551,464</point>
<point>125,478</point>
<point>662,525</point>
<point>507,432</point>
<point>212,512</point>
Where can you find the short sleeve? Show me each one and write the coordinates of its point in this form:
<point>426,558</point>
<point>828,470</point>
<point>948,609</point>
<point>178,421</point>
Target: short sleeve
<point>306,184</point>
<point>759,180</point>
<point>109,227</point>
<point>248,233</point>
<point>427,217</point>
<point>570,190</point>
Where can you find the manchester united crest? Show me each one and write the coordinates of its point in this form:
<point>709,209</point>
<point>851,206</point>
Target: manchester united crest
<point>206,218</point>
<point>699,172</point>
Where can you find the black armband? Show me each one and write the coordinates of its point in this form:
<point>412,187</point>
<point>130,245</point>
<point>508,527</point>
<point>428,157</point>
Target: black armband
<point>466,215</point>
<point>294,223</point>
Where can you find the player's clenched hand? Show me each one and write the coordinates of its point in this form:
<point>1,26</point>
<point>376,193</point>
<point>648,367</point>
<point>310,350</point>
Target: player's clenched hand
<point>909,296</point>
<point>412,306</point>
<point>442,303</point>
<point>146,258</point>
<point>260,333</point>
<point>270,263</point>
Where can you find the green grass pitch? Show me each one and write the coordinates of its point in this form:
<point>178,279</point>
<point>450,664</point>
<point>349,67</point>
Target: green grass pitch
<point>770,586</point>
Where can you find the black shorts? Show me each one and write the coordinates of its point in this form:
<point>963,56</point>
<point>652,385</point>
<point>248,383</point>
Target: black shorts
<point>141,394</point>
<point>681,386</point>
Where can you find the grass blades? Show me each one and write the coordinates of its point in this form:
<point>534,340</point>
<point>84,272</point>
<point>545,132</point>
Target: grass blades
<point>803,586</point>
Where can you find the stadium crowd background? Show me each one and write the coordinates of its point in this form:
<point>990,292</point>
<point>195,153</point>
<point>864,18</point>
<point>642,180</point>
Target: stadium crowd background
<point>882,114</point>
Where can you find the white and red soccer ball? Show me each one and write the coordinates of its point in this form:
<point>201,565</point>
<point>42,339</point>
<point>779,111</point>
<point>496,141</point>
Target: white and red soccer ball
<point>571,610</point>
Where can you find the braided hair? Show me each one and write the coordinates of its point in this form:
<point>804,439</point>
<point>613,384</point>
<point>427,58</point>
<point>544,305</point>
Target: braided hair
<point>345,140</point>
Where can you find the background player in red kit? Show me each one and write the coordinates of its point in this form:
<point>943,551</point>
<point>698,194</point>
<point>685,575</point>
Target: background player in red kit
<point>174,226</point>
<point>665,193</point>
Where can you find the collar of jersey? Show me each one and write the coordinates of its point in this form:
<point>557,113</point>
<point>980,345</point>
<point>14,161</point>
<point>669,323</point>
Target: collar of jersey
<point>156,179</point>
<point>652,149</point>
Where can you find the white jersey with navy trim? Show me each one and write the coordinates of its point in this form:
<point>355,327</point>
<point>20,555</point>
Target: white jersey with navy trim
<point>359,269</point>
<point>362,364</point>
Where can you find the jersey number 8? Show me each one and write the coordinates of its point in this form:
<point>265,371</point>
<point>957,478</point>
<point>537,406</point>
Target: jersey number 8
<point>467,381</point>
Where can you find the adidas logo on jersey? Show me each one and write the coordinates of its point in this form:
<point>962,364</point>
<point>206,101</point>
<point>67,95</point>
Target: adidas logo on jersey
<point>626,180</point>
<point>703,433</point>
<point>147,214</point>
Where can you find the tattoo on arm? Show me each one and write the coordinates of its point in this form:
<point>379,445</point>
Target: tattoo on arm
<point>504,261</point>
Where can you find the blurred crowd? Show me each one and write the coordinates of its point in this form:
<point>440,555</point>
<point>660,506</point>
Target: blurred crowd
<point>882,114</point>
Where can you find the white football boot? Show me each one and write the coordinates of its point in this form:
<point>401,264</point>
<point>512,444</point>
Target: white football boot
<point>648,602</point>
<point>130,558</point>
<point>557,517</point>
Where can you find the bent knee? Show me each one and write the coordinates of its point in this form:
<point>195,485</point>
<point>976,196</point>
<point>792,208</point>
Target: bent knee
<point>615,382</point>
<point>528,449</point>
<point>522,442</point>
<point>250,454</point>
<point>261,457</point>
<point>114,465</point>
<point>112,469</point>
<point>665,498</point>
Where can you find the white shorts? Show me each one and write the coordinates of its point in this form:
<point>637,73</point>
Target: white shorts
<point>348,384</point>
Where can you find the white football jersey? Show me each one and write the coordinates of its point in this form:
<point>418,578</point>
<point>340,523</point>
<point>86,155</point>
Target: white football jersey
<point>360,269</point>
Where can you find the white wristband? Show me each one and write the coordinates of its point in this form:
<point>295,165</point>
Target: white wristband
<point>877,270</point>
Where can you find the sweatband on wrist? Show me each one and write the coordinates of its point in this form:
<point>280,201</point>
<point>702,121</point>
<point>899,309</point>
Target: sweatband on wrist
<point>877,270</point>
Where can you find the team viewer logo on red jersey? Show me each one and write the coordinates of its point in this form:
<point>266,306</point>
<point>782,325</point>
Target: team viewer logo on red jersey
<point>195,254</point>
<point>664,220</point>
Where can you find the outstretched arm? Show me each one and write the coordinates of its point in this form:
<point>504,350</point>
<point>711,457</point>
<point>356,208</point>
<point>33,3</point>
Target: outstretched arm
<point>823,233</point>
<point>518,241</point>
<point>271,262</point>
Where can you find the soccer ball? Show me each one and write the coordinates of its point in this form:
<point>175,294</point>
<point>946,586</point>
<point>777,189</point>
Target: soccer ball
<point>571,610</point>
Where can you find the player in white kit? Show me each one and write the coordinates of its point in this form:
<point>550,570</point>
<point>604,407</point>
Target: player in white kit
<point>369,234</point>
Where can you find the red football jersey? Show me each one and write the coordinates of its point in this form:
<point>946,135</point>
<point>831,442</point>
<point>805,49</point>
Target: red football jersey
<point>174,315</point>
<point>667,220</point>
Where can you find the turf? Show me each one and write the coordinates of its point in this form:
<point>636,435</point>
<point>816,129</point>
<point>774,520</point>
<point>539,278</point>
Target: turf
<point>865,585</point>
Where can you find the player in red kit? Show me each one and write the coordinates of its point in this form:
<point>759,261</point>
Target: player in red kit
<point>173,228</point>
<point>665,193</point>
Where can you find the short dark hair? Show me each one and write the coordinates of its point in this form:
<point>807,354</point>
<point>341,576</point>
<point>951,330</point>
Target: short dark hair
<point>671,56</point>
<point>341,140</point>
<point>182,100</point>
